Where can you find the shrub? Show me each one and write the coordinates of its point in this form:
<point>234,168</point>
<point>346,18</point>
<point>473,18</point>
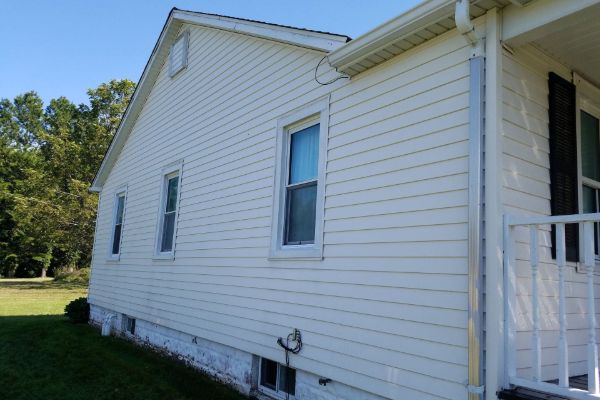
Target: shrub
<point>81,276</point>
<point>78,311</point>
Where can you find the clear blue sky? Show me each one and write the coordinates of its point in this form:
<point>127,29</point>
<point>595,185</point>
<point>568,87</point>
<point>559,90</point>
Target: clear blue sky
<point>63,47</point>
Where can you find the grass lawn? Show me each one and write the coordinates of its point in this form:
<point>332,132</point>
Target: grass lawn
<point>44,356</point>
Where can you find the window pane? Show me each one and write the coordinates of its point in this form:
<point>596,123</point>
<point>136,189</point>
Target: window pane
<point>304,155</point>
<point>120,208</point>
<point>167,232</point>
<point>302,203</point>
<point>287,380</point>
<point>116,239</point>
<point>589,200</point>
<point>268,373</point>
<point>172,194</point>
<point>590,146</point>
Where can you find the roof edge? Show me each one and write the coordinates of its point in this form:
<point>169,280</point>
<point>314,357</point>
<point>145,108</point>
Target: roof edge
<point>412,20</point>
<point>315,40</point>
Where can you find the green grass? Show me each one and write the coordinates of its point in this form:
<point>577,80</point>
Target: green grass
<point>44,356</point>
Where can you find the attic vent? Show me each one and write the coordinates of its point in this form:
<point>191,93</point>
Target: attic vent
<point>178,57</point>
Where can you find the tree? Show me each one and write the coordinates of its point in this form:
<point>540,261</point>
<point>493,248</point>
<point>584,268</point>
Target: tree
<point>48,157</point>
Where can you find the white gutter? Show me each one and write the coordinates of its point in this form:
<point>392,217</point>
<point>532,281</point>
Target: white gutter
<point>407,23</point>
<point>464,25</point>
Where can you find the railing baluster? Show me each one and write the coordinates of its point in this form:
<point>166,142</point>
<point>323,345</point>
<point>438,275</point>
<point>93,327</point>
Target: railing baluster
<point>509,301</point>
<point>535,306</point>
<point>563,352</point>
<point>592,348</point>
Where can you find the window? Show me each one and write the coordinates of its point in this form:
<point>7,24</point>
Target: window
<point>277,379</point>
<point>302,182</point>
<point>589,152</point>
<point>178,56</point>
<point>128,324</point>
<point>299,184</point>
<point>167,221</point>
<point>117,226</point>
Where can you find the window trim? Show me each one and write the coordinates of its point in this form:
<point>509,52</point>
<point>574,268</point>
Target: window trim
<point>174,169</point>
<point>307,115</point>
<point>120,191</point>
<point>587,99</point>
<point>280,394</point>
<point>185,36</point>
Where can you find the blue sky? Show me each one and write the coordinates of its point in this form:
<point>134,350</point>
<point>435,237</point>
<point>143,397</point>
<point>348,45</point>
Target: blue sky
<point>63,47</point>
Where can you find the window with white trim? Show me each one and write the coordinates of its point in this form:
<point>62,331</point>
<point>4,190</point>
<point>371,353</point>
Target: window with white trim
<point>117,225</point>
<point>588,119</point>
<point>167,221</point>
<point>277,379</point>
<point>178,55</point>
<point>297,226</point>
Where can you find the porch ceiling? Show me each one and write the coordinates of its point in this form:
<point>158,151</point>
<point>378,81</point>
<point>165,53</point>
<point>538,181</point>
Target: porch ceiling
<point>575,41</point>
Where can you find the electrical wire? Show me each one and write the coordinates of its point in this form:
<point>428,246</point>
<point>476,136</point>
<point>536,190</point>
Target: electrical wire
<point>330,81</point>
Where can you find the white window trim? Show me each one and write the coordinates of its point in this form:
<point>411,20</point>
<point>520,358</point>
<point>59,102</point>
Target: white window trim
<point>121,191</point>
<point>588,100</point>
<point>317,112</point>
<point>185,36</point>
<point>274,393</point>
<point>166,173</point>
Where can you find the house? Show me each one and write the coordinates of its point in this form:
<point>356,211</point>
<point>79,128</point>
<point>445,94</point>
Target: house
<point>411,214</point>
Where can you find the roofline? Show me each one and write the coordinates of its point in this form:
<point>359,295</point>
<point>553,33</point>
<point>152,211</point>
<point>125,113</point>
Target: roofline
<point>288,34</point>
<point>415,19</point>
<point>314,40</point>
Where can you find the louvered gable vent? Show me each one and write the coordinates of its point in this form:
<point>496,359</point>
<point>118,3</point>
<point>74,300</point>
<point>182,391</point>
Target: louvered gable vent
<point>179,54</point>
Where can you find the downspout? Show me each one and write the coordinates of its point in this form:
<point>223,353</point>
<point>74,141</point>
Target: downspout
<point>475,387</point>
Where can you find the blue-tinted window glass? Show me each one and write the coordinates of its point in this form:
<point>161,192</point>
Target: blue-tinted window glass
<point>168,230</point>
<point>304,155</point>
<point>302,204</point>
<point>172,194</point>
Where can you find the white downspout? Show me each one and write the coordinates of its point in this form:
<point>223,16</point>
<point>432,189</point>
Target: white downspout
<point>475,387</point>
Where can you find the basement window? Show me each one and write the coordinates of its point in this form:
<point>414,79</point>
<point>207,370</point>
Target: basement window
<point>129,324</point>
<point>277,379</point>
<point>178,56</point>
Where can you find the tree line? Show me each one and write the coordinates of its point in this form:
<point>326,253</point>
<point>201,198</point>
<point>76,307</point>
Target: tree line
<point>48,158</point>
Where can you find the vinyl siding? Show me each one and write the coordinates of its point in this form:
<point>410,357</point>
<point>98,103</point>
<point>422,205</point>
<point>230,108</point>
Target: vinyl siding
<point>386,308</point>
<point>526,190</point>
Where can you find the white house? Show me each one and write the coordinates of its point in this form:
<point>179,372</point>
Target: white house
<point>393,207</point>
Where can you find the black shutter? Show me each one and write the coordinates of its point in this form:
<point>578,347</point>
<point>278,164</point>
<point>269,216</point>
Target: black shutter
<point>563,160</point>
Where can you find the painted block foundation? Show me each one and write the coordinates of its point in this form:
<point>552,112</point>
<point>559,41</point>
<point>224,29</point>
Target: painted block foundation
<point>226,364</point>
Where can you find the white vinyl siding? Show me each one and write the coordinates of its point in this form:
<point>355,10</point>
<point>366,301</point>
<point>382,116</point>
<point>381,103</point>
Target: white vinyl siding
<point>385,309</point>
<point>526,190</point>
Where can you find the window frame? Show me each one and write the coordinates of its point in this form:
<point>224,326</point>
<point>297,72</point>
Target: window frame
<point>120,192</point>
<point>313,113</point>
<point>280,394</point>
<point>587,99</point>
<point>185,36</point>
<point>167,173</point>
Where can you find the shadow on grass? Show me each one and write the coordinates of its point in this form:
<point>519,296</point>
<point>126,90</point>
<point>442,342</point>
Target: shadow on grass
<point>48,357</point>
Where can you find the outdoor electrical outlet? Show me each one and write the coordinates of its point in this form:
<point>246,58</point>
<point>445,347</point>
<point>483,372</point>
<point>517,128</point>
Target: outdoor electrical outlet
<point>296,334</point>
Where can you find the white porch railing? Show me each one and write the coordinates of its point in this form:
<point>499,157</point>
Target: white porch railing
<point>533,223</point>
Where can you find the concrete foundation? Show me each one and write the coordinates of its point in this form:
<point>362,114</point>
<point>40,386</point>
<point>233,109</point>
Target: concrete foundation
<point>226,364</point>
